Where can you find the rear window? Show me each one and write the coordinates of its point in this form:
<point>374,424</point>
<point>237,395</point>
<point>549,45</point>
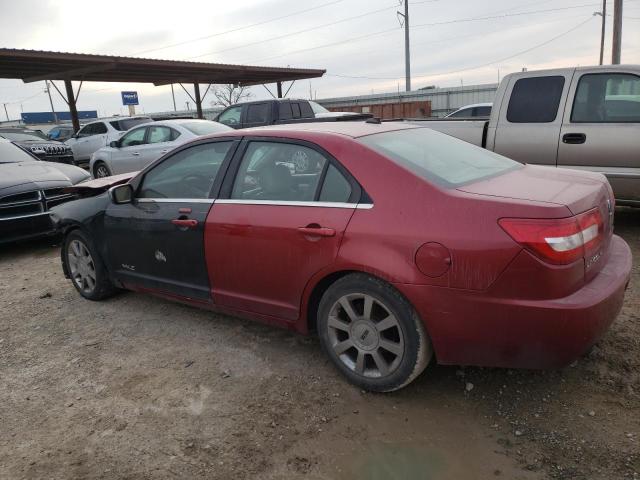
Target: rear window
<point>535,100</point>
<point>205,127</point>
<point>439,158</point>
<point>128,123</point>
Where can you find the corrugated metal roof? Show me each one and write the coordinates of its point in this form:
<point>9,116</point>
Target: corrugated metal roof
<point>36,65</point>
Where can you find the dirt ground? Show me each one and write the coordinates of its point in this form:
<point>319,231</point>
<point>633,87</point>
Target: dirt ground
<point>136,387</point>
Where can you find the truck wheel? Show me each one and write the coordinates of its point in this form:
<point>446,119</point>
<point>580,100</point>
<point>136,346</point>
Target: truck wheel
<point>372,334</point>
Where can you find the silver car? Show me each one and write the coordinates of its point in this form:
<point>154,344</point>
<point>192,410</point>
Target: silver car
<point>145,143</point>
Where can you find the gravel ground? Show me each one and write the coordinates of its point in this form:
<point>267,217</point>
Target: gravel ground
<point>136,387</point>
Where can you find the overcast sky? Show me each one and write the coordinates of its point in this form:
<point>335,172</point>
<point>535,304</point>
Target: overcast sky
<point>359,42</point>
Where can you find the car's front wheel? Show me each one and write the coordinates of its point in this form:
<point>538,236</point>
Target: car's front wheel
<point>101,170</point>
<point>372,334</point>
<point>85,268</point>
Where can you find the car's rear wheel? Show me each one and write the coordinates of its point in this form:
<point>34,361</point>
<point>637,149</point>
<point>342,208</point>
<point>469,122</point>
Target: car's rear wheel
<point>85,268</point>
<point>101,170</point>
<point>372,334</point>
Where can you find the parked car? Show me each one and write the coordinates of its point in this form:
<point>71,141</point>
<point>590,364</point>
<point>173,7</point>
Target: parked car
<point>98,134</point>
<point>146,143</point>
<point>60,133</point>
<point>477,110</point>
<point>29,188</point>
<point>280,111</point>
<point>38,144</point>
<point>407,244</point>
<point>585,118</point>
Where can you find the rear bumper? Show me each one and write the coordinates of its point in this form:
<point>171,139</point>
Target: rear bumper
<point>469,328</point>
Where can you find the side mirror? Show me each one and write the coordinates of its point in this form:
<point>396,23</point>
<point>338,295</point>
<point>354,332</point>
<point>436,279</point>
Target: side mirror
<point>121,194</point>
<point>114,144</point>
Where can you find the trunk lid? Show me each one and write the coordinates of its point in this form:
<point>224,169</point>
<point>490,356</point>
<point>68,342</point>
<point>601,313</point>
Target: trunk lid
<point>579,191</point>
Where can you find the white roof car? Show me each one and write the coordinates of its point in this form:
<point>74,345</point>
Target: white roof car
<point>146,143</point>
<point>100,133</point>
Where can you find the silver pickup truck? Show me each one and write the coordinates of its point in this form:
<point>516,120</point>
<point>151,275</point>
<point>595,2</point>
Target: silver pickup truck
<point>585,118</point>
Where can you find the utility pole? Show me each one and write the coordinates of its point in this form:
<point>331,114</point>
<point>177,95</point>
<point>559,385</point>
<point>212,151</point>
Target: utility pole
<point>617,32</point>
<point>48,90</point>
<point>604,23</point>
<point>407,53</point>
<point>173,95</point>
<point>5,111</point>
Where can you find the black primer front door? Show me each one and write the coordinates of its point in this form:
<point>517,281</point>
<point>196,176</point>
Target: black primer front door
<point>157,241</point>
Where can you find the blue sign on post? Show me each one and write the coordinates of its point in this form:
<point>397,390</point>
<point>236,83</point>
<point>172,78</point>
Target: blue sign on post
<point>129,98</point>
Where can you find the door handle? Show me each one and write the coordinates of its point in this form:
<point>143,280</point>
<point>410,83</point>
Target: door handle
<point>574,138</point>
<point>185,222</point>
<point>317,231</point>
<point>135,154</point>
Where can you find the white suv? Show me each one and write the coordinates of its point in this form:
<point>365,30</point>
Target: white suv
<point>96,135</point>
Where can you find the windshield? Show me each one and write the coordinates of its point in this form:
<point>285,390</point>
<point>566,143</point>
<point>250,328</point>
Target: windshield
<point>205,127</point>
<point>128,123</point>
<point>22,135</point>
<point>317,108</point>
<point>10,153</point>
<point>437,157</point>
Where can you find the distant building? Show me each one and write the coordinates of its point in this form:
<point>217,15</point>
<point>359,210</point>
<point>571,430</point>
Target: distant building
<point>31,118</point>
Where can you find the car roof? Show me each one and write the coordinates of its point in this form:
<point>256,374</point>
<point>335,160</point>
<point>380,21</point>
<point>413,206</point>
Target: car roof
<point>352,129</point>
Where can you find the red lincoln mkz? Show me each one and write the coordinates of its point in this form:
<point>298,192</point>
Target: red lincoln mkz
<point>396,244</point>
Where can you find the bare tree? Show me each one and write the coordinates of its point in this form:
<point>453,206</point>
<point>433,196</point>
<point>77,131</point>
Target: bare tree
<point>230,94</point>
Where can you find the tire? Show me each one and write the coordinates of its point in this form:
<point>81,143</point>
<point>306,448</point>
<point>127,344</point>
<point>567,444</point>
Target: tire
<point>100,170</point>
<point>382,347</point>
<point>85,267</point>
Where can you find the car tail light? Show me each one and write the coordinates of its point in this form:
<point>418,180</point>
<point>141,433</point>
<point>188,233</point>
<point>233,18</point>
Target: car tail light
<point>560,241</point>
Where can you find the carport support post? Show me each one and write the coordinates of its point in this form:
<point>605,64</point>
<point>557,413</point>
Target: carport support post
<point>196,90</point>
<point>279,89</point>
<point>71,100</point>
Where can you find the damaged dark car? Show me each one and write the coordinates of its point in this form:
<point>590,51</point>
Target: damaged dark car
<point>39,145</point>
<point>29,188</point>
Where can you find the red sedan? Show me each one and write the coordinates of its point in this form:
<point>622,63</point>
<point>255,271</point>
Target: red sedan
<point>396,244</point>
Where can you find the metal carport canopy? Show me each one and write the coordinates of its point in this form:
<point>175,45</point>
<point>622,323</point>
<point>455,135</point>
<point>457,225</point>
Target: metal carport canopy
<point>36,65</point>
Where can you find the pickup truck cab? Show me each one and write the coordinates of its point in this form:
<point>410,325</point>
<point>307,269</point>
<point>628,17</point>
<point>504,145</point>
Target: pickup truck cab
<point>279,111</point>
<point>585,118</point>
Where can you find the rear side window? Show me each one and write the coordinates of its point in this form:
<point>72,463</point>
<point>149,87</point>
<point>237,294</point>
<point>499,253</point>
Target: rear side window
<point>159,134</point>
<point>607,98</point>
<point>335,188</point>
<point>258,113</point>
<point>284,110</point>
<point>278,172</point>
<point>437,157</point>
<point>535,100</point>
<point>99,128</point>
<point>306,110</point>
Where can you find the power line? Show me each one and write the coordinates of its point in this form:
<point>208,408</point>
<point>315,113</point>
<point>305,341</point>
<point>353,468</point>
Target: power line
<point>383,32</point>
<point>233,30</point>
<point>546,42</point>
<point>310,29</point>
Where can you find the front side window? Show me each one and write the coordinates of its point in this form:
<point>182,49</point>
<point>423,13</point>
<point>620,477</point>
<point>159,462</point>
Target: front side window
<point>258,113</point>
<point>437,157</point>
<point>535,100</point>
<point>99,128</point>
<point>231,116</point>
<point>159,134</point>
<point>607,98</point>
<point>133,138</point>
<point>189,173</point>
<point>271,171</point>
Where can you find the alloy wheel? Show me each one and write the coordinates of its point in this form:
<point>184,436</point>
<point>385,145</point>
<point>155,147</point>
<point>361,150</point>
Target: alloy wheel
<point>102,171</point>
<point>365,335</point>
<point>81,266</point>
